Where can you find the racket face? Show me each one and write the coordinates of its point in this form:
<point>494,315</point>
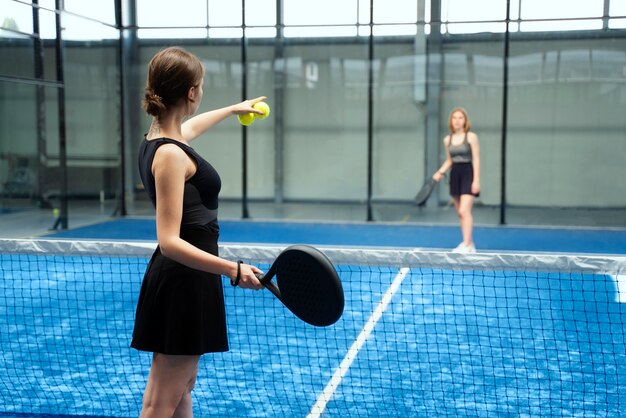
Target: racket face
<point>309,285</point>
<point>425,192</point>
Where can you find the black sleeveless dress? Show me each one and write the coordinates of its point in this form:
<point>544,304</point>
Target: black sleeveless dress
<point>180,309</point>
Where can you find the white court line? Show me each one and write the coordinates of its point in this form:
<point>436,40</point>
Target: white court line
<point>342,370</point>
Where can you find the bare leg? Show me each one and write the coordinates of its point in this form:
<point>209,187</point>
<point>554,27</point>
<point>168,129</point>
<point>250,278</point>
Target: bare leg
<point>456,201</point>
<point>168,391</point>
<point>185,406</point>
<point>457,205</point>
<point>463,206</point>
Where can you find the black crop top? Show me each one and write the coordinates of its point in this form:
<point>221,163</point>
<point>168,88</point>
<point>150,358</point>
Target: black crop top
<point>200,199</point>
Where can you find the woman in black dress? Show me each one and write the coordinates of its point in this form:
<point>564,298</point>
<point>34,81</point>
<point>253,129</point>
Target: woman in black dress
<point>180,313</point>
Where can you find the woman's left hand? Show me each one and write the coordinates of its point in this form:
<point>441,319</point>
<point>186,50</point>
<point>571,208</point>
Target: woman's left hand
<point>475,187</point>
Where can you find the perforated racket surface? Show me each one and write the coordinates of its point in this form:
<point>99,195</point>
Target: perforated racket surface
<point>307,284</point>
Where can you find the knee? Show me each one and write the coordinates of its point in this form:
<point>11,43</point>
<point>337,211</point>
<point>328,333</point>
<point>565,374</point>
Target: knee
<point>155,408</point>
<point>166,403</point>
<point>186,397</point>
<point>190,386</point>
<point>464,213</point>
<point>165,406</point>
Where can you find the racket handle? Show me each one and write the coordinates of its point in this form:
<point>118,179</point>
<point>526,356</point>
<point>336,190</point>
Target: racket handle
<point>269,285</point>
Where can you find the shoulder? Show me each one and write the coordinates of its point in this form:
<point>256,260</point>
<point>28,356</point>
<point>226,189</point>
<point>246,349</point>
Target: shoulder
<point>472,137</point>
<point>171,156</point>
<point>446,140</point>
<point>169,151</point>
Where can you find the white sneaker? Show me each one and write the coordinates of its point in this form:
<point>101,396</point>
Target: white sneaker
<point>464,249</point>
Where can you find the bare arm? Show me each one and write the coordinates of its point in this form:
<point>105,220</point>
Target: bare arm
<point>446,164</point>
<point>171,167</point>
<point>472,139</point>
<point>199,124</point>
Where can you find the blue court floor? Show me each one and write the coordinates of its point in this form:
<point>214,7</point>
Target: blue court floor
<point>487,238</point>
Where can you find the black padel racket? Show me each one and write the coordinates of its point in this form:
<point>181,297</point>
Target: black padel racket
<point>307,284</point>
<point>425,192</point>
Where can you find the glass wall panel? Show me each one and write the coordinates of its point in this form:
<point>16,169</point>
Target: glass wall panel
<point>29,172</point>
<point>617,24</point>
<point>227,13</point>
<point>460,11</point>
<point>47,27</point>
<point>179,33</point>
<point>264,183</point>
<point>344,12</point>
<point>393,11</point>
<point>547,13</point>
<point>18,144</point>
<point>617,8</point>
<point>103,11</point>
<point>20,49</point>
<point>258,12</point>
<point>561,9</point>
<point>167,13</point>
<point>92,109</point>
<point>567,101</point>
<point>16,16</point>
<point>325,122</point>
<point>399,111</point>
<point>78,28</point>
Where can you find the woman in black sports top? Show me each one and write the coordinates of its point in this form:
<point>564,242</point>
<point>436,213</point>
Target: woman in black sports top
<point>463,155</point>
<point>180,313</point>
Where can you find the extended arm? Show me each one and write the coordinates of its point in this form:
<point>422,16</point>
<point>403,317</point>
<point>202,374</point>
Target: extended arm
<point>199,124</point>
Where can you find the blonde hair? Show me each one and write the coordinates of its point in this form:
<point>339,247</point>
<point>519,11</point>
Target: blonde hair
<point>467,125</point>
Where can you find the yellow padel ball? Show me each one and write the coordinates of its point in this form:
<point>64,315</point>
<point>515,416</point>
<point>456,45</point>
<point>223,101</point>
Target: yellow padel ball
<point>246,119</point>
<point>263,107</point>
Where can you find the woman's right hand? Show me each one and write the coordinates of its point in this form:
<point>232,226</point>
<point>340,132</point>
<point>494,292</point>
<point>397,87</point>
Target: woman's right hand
<point>247,106</point>
<point>248,277</point>
<point>437,176</point>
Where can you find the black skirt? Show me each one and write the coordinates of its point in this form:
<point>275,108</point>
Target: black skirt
<point>461,178</point>
<point>180,309</point>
